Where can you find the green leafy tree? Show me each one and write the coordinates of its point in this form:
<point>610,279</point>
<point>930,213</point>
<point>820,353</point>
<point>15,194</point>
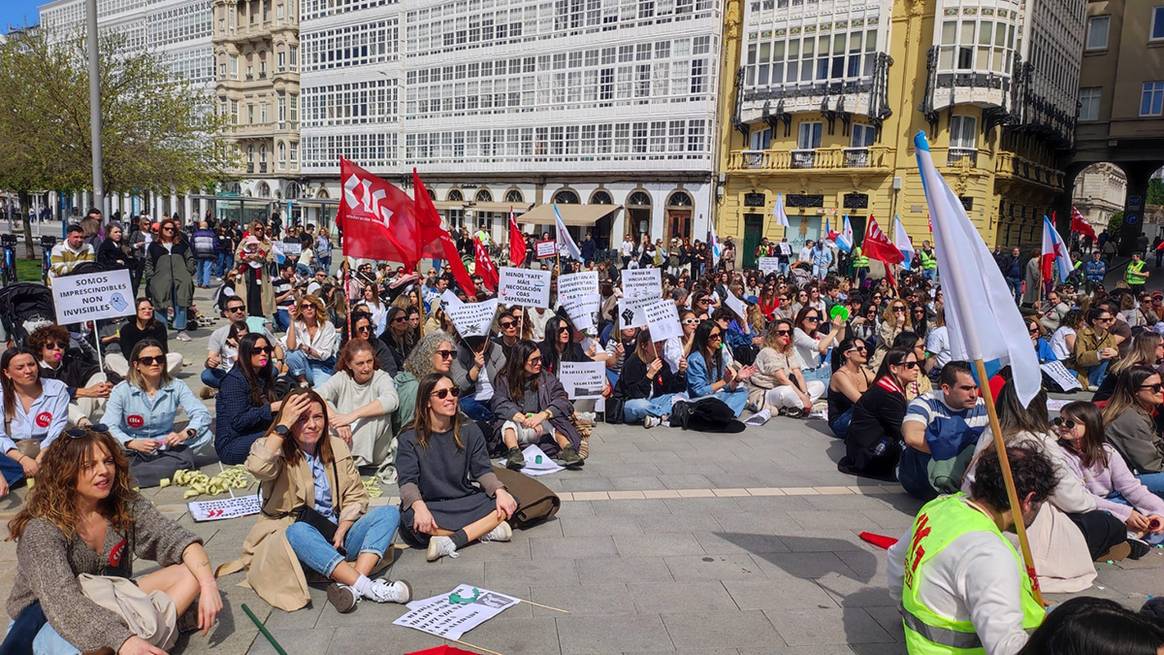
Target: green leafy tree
<point>1155,191</point>
<point>1115,223</point>
<point>158,131</point>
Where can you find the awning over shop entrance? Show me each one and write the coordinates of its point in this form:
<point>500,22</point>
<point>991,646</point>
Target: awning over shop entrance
<point>580,215</point>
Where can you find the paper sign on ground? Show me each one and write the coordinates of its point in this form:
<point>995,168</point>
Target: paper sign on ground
<point>453,614</point>
<point>582,379</point>
<point>1062,377</point>
<point>524,286</point>
<point>641,283</point>
<point>578,295</point>
<point>473,319</point>
<point>92,296</point>
<point>545,249</point>
<point>768,265</point>
<point>663,320</point>
<point>533,467</point>
<point>224,508</point>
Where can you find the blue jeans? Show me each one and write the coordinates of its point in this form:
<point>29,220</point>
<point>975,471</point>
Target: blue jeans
<point>202,273</point>
<point>840,424</point>
<point>1015,285</point>
<point>913,473</point>
<point>737,399</point>
<point>822,374</point>
<point>225,263</point>
<point>212,377</point>
<point>317,371</point>
<point>929,273</point>
<point>478,410</point>
<point>612,377</point>
<point>372,533</point>
<point>634,410</point>
<point>1096,373</point>
<point>1153,481</point>
<point>179,318</point>
<point>282,320</point>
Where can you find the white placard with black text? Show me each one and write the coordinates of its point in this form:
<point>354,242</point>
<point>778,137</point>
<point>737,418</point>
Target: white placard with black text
<point>92,296</point>
<point>524,286</point>
<point>473,319</point>
<point>582,379</point>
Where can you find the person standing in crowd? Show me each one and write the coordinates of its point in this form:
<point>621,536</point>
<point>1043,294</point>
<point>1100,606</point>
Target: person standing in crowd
<point>81,518</point>
<point>137,240</point>
<point>1012,271</point>
<point>1095,270</point>
<point>168,276</point>
<point>206,251</point>
<point>67,254</point>
<point>114,254</point>
<point>1136,274</point>
<point>305,472</point>
<point>255,254</point>
<point>286,295</point>
<point>627,250</point>
<point>960,582</point>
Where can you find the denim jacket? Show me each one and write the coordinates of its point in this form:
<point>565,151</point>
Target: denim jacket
<point>700,376</point>
<point>43,422</point>
<point>131,414</point>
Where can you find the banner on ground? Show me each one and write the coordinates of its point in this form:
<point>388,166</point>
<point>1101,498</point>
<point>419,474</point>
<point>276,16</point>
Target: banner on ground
<point>525,287</point>
<point>582,380</point>
<point>663,320</point>
<point>472,319</point>
<point>545,249</point>
<point>224,508</point>
<point>768,265</point>
<point>453,614</point>
<point>92,296</point>
<point>578,295</point>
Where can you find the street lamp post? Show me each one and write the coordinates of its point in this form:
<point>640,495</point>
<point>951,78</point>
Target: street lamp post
<point>95,106</point>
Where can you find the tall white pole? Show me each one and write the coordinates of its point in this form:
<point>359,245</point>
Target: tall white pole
<point>95,106</point>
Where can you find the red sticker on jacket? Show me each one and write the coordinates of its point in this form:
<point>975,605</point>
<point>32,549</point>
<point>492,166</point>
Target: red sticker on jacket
<point>44,419</point>
<point>134,421</point>
<point>116,553</point>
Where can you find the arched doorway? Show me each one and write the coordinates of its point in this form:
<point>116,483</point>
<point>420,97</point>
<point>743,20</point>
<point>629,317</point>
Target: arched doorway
<point>566,197</point>
<point>605,224</point>
<point>455,216</point>
<point>638,212</point>
<point>263,190</point>
<point>679,208</point>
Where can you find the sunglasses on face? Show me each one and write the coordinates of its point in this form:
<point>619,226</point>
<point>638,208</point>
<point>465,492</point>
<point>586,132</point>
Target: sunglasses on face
<point>909,364</point>
<point>1063,423</point>
<point>860,349</point>
<point>1033,330</point>
<point>56,345</point>
<point>236,308</point>
<point>783,333</point>
<point>898,309</point>
<point>1154,387</point>
<point>446,354</point>
<point>812,319</point>
<point>157,360</point>
<point>446,392</point>
<point>307,306</point>
<point>505,325</point>
<point>563,330</point>
<point>714,337</point>
<point>400,319</point>
<point>264,350</point>
<point>364,328</point>
<point>535,361</point>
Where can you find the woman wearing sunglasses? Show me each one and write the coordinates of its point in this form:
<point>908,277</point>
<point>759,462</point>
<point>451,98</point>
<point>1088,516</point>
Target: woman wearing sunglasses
<point>850,380</point>
<point>83,517</point>
<point>533,408</point>
<point>311,343</point>
<point>433,354</point>
<point>894,321</point>
<point>169,275</point>
<point>88,387</point>
<point>315,513</point>
<point>1095,348</point>
<point>813,344</point>
<point>438,460</point>
<point>398,336</point>
<point>1147,350</point>
<point>363,327</point>
<point>245,404</point>
<point>710,374</point>
<point>1130,424</point>
<point>360,402</point>
<point>778,383</point>
<point>1105,473</point>
<point>874,443</point>
<point>142,326</point>
<point>142,412</point>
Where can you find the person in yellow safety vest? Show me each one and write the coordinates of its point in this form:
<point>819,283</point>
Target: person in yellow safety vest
<point>962,586</point>
<point>1135,275</point>
<point>860,264</point>
<point>929,262</point>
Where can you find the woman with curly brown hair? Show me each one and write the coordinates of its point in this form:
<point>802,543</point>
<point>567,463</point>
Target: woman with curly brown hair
<point>84,519</point>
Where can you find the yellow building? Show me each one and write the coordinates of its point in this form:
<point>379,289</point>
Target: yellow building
<point>820,101</point>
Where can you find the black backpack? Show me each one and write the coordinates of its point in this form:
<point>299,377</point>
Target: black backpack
<point>705,415</point>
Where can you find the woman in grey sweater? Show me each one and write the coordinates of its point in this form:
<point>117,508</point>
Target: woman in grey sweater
<point>83,517</point>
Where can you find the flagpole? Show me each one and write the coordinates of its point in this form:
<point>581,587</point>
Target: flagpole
<point>420,296</point>
<point>1008,480</point>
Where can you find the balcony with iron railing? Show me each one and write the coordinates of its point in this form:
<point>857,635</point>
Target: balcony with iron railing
<point>1010,165</point>
<point>873,158</point>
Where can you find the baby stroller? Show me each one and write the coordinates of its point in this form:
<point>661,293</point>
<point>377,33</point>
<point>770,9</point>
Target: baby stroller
<point>25,306</point>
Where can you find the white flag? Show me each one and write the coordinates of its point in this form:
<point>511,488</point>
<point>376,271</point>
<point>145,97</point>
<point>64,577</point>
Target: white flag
<point>713,243</point>
<point>983,320</point>
<point>778,211</point>
<point>566,245</point>
<point>736,305</point>
<point>903,243</point>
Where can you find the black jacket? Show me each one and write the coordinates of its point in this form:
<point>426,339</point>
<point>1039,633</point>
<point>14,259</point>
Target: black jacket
<point>874,442</point>
<point>634,383</point>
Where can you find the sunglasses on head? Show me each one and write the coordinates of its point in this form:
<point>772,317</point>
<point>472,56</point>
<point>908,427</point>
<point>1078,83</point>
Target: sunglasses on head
<point>152,360</point>
<point>1060,422</point>
<point>446,392</point>
<point>77,433</point>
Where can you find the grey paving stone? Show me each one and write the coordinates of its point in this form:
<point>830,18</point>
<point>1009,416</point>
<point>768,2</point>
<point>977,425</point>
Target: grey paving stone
<point>626,570</point>
<point>783,593</point>
<point>657,545</point>
<point>820,626</point>
<point>680,522</point>
<point>605,508</point>
<point>719,629</point>
<point>296,641</point>
<point>719,542</point>
<point>520,636</point>
<point>608,598</point>
<point>713,567</point>
<point>685,481</point>
<point>530,573</point>
<point>601,635</point>
<point>635,483</point>
<point>681,597</point>
<point>803,565</point>
<point>612,525</point>
<point>568,548</point>
<point>589,483</point>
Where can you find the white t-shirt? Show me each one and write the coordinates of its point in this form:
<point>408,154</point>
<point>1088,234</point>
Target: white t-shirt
<point>484,386</point>
<point>1059,342</point>
<point>807,348</point>
<point>938,343</point>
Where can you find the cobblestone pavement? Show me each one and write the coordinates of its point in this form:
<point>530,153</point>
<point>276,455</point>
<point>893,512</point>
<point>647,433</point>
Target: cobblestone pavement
<point>667,542</point>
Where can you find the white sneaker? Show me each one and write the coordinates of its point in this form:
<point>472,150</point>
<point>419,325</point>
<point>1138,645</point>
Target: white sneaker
<point>383,591</point>
<point>501,533</point>
<point>182,336</point>
<point>650,422</point>
<point>438,547</point>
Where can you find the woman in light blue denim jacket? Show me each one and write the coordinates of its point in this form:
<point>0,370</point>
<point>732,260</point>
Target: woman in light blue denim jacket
<point>141,413</point>
<point>709,375</point>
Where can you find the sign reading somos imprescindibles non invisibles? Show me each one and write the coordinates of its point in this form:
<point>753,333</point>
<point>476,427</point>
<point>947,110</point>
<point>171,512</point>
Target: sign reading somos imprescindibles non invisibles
<point>92,297</point>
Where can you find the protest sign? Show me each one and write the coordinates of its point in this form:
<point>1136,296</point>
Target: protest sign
<point>449,299</point>
<point>663,320</point>
<point>641,283</point>
<point>92,296</point>
<point>472,319</point>
<point>582,379</point>
<point>292,248</point>
<point>524,286</point>
<point>223,508</point>
<point>768,265</point>
<point>736,305</point>
<point>578,295</point>
<point>545,249</point>
<point>1062,377</point>
<point>632,312</point>
<point>453,614</point>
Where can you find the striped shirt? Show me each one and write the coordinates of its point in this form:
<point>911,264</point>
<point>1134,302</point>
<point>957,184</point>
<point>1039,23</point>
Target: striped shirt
<point>948,431</point>
<point>64,259</point>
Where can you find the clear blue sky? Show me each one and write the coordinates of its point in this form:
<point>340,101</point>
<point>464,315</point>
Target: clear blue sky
<point>18,12</point>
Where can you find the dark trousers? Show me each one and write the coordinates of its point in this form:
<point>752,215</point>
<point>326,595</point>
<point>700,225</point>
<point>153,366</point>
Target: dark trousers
<point>12,471</point>
<point>1100,530</point>
<point>235,451</point>
<point>913,473</point>
<point>23,631</point>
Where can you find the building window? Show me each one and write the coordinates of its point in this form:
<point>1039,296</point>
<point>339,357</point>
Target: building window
<point>1089,103</point>
<point>762,139</point>
<point>1157,32</point>
<point>963,132</point>
<point>863,136</point>
<point>1097,32</point>
<point>809,136</point>
<point>1152,99</point>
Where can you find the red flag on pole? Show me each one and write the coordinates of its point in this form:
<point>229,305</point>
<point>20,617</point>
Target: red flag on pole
<point>1080,224</point>
<point>484,266</point>
<point>516,242</point>
<point>378,219</point>
<point>878,246</point>
<point>437,242</point>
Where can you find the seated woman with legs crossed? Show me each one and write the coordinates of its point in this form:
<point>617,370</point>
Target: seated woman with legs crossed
<point>779,383</point>
<point>534,409</point>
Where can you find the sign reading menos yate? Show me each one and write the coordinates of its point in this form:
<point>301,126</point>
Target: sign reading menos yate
<point>92,297</point>
<point>524,286</point>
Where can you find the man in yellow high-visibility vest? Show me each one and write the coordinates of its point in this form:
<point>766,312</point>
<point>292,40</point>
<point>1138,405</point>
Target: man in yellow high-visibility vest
<point>1136,274</point>
<point>962,586</point>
